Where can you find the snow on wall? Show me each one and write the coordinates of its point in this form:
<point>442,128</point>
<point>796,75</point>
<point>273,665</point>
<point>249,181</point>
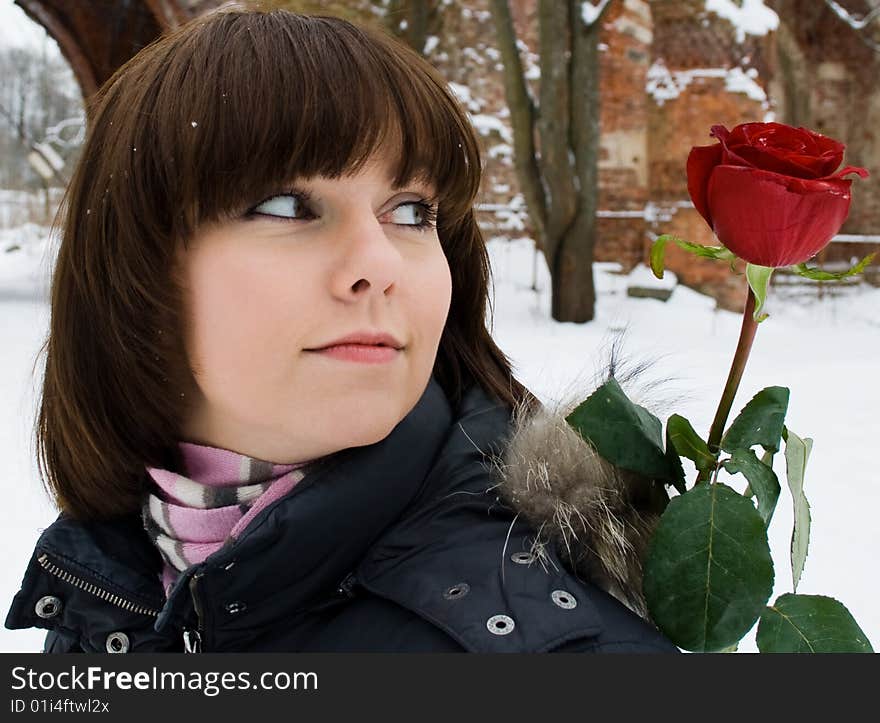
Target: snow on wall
<point>747,16</point>
<point>590,12</point>
<point>663,84</point>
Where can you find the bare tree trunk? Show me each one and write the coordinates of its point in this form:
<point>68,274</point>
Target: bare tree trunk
<point>523,116</point>
<point>417,14</point>
<point>577,289</point>
<point>559,180</point>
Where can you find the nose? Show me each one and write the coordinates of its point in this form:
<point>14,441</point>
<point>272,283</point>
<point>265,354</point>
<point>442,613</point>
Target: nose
<point>370,261</point>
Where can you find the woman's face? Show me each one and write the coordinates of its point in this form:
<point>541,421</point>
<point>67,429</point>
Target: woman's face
<point>294,274</point>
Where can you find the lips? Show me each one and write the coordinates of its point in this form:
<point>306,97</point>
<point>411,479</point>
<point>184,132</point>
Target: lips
<point>363,338</point>
<point>369,353</point>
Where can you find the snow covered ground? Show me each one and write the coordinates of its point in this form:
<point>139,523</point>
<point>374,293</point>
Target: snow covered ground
<point>825,352</point>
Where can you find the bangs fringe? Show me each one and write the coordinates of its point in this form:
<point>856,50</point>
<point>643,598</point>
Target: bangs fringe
<point>267,98</point>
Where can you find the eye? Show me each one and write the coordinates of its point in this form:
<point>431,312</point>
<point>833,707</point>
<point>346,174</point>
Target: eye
<point>420,215</point>
<point>424,212</point>
<point>284,205</point>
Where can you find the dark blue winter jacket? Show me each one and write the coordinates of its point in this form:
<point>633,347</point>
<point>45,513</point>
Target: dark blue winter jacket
<point>398,546</point>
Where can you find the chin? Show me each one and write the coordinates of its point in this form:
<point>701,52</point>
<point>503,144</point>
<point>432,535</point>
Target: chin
<point>376,432</point>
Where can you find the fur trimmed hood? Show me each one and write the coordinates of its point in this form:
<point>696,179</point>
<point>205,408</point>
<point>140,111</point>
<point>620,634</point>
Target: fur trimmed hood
<point>599,517</point>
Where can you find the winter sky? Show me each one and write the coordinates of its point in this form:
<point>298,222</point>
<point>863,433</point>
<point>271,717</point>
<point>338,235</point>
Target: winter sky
<point>16,28</point>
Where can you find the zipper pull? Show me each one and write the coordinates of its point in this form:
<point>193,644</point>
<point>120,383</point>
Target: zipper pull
<point>345,587</point>
<point>192,641</point>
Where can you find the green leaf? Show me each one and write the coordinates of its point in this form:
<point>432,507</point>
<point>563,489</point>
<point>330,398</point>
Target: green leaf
<point>708,572</point>
<point>797,452</point>
<point>622,432</point>
<point>759,279</point>
<point>766,458</point>
<point>689,444</point>
<point>762,480</point>
<point>675,463</point>
<point>658,250</point>
<point>819,275</point>
<point>759,422</point>
<point>810,624</point>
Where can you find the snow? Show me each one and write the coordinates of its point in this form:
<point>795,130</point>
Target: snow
<point>856,23</point>
<point>431,42</point>
<point>824,351</point>
<point>486,123</point>
<point>663,84</point>
<point>643,277</point>
<point>857,238</point>
<point>463,93</point>
<point>590,12</point>
<point>747,16</point>
<point>500,150</point>
<point>739,81</point>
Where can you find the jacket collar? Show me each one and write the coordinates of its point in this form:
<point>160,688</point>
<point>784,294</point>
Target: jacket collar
<point>314,536</point>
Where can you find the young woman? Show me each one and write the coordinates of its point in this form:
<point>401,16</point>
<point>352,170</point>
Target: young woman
<point>270,393</point>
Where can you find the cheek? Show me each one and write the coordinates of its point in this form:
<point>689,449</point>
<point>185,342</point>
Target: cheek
<point>435,294</point>
<point>241,325</point>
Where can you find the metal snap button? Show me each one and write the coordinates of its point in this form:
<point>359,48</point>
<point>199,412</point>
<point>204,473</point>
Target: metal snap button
<point>458,590</point>
<point>117,643</point>
<point>48,606</point>
<point>522,558</point>
<point>500,624</point>
<point>564,599</point>
<point>235,607</point>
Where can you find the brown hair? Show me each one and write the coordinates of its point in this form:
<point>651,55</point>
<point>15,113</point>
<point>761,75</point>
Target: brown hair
<point>186,132</point>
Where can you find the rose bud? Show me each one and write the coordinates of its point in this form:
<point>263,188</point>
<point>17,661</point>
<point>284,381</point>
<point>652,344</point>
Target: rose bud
<point>770,191</point>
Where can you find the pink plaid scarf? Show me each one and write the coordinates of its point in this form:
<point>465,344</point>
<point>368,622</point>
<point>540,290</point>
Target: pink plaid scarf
<point>196,513</point>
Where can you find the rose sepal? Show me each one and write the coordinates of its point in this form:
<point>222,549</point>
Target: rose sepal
<point>759,281</point>
<point>817,274</point>
<point>658,249</point>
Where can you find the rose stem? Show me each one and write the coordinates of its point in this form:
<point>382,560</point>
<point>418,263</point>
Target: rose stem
<point>743,347</point>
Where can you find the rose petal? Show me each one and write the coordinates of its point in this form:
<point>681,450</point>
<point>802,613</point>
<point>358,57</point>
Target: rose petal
<point>728,155</point>
<point>863,172</point>
<point>700,163</point>
<point>830,161</point>
<point>720,132</point>
<point>787,163</point>
<point>774,220</point>
<point>781,144</point>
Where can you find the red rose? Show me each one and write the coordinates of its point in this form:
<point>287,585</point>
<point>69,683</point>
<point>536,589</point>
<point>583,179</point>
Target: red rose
<point>770,192</point>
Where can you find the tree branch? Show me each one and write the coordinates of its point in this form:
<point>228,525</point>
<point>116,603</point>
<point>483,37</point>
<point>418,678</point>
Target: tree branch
<point>849,18</point>
<point>857,24</point>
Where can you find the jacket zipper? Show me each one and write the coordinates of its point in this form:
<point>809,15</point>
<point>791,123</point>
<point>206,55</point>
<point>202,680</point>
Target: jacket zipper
<point>192,639</point>
<point>90,587</point>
